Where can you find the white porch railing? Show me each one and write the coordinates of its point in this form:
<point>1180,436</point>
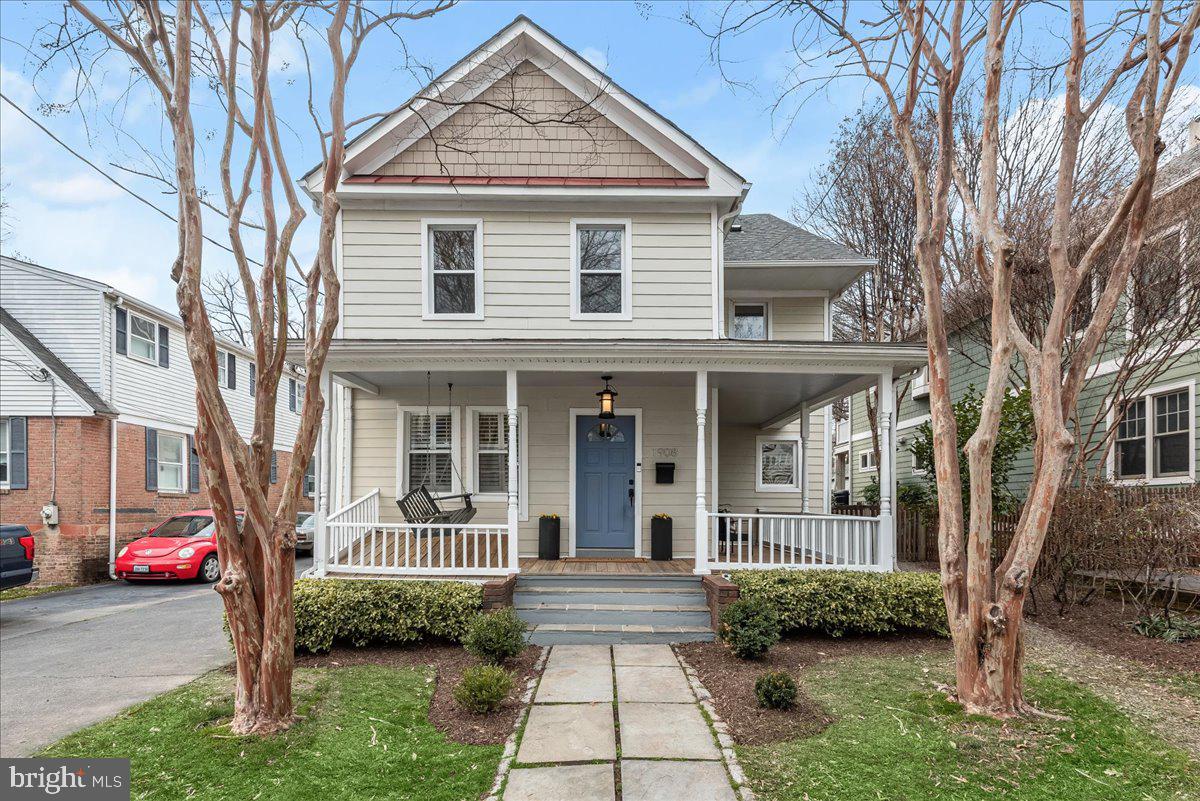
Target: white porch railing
<point>358,543</point>
<point>805,541</point>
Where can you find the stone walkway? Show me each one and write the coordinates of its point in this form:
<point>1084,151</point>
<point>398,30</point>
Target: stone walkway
<point>612,723</point>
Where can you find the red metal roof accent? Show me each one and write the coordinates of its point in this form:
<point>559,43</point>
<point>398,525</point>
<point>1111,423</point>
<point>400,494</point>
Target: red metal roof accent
<point>481,180</point>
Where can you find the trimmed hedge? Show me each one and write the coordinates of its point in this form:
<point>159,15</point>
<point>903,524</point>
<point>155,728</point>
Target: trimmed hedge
<point>839,602</point>
<point>364,612</point>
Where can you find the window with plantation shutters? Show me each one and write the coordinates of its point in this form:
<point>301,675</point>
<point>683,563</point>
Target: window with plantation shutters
<point>491,453</point>
<point>429,452</point>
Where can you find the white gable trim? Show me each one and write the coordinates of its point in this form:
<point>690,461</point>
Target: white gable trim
<point>521,41</point>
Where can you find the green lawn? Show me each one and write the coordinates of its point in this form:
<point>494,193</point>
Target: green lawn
<point>13,593</point>
<point>897,737</point>
<point>364,734</point>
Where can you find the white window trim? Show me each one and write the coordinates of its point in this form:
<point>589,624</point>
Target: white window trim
<point>1129,284</point>
<point>129,338</point>
<point>7,451</point>
<point>626,312</point>
<point>223,368</point>
<point>870,454</point>
<point>1148,394</point>
<point>402,413</point>
<point>183,466</point>
<point>795,486</point>
<point>768,314</point>
<point>472,464</point>
<point>427,312</point>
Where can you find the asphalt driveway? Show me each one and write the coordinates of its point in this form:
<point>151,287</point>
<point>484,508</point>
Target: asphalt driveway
<point>73,658</point>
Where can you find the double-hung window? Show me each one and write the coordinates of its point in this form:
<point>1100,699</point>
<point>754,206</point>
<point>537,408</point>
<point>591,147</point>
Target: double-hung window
<point>452,253</point>
<point>778,464</point>
<point>488,453</point>
<point>143,338</point>
<point>429,452</point>
<point>749,321</point>
<point>600,270</point>
<point>172,464</point>
<point>1155,437</point>
<point>866,462</point>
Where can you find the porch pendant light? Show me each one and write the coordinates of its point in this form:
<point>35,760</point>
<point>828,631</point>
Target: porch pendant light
<point>606,396</point>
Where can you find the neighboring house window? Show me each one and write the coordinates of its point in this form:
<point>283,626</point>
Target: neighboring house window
<point>778,464</point>
<point>143,338</point>
<point>920,383</point>
<point>600,270</point>
<point>1155,289</point>
<point>14,452</point>
<point>223,368</point>
<point>310,479</point>
<point>295,396</point>
<point>453,256</point>
<point>1155,437</point>
<point>749,321</point>
<point>171,462</point>
<point>866,461</point>
<point>429,456</point>
<point>3,452</point>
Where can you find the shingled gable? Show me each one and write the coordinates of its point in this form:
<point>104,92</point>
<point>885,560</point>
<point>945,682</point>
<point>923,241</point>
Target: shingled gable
<point>628,144</point>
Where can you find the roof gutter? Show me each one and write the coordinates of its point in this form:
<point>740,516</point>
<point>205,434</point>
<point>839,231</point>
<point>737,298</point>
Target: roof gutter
<point>719,231</point>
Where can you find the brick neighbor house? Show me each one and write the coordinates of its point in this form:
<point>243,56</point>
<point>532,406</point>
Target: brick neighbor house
<point>97,406</point>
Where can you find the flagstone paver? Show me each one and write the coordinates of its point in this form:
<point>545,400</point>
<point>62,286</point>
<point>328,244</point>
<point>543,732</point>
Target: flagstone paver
<point>562,783</point>
<point>665,731</point>
<point>663,685</point>
<point>668,750</point>
<point>568,733</point>
<point>663,780</point>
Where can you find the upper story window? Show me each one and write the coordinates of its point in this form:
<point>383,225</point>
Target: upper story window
<point>1155,437</point>
<point>226,369</point>
<point>295,396</point>
<point>143,338</point>
<point>749,321</point>
<point>452,256</point>
<point>600,270</point>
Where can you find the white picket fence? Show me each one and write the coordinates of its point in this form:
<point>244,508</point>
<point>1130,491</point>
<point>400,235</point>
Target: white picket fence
<point>805,541</point>
<point>358,543</point>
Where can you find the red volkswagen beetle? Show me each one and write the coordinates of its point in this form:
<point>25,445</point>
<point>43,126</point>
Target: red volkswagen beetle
<point>181,547</point>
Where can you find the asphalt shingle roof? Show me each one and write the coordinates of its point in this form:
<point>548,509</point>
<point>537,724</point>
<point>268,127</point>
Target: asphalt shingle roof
<point>765,237</point>
<point>1179,170</point>
<point>55,364</point>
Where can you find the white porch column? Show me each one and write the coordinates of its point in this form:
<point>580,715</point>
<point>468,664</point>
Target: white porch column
<point>803,458</point>
<point>887,460</point>
<point>513,444</point>
<point>321,476</point>
<point>701,477</point>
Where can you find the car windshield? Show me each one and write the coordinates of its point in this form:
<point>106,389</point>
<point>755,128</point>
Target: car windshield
<point>189,526</point>
<point>306,520</point>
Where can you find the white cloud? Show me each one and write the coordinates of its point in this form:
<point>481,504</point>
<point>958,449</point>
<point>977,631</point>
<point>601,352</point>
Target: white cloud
<point>81,189</point>
<point>598,58</point>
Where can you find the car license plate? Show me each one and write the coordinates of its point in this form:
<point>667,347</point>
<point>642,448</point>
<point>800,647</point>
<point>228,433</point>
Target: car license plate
<point>141,568</point>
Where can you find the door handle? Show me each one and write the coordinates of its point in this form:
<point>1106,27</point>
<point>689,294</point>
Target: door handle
<point>631,492</point>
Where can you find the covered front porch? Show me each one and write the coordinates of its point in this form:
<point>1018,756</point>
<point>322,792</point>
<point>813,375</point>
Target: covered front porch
<point>729,439</point>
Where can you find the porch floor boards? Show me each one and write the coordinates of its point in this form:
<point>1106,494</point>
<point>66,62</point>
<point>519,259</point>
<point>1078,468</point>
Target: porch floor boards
<point>592,566</point>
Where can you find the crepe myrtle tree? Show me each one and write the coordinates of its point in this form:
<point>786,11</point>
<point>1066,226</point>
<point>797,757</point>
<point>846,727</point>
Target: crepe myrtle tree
<point>194,55</point>
<point>941,52</point>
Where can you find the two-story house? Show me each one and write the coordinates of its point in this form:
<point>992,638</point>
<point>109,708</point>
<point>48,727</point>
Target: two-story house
<point>568,318</point>
<point>1154,407</point>
<point>97,410</point>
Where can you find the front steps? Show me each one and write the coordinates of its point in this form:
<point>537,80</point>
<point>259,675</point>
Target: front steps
<point>602,609</point>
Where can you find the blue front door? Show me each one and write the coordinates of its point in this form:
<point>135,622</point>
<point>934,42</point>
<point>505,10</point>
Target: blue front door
<point>604,482</point>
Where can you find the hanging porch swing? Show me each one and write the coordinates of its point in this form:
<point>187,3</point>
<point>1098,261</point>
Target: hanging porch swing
<point>419,505</point>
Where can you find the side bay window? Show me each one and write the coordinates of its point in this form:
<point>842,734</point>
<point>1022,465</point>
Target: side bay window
<point>1155,439</point>
<point>601,263</point>
<point>452,269</point>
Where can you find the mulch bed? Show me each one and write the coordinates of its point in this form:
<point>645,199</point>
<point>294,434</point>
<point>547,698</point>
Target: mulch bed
<point>731,680</point>
<point>449,661</point>
<point>1105,624</point>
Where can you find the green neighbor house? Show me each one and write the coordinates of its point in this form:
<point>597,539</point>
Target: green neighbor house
<point>1156,444</point>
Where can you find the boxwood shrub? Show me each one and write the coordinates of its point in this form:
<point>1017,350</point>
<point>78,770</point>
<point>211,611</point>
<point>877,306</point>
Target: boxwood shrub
<point>364,612</point>
<point>839,602</point>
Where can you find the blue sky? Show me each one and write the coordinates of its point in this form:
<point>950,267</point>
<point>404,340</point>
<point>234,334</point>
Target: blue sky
<point>65,216</point>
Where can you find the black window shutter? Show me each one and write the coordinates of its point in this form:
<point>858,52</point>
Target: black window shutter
<point>291,394</point>
<point>164,346</point>
<point>18,453</point>
<point>231,370</point>
<point>274,468</point>
<point>151,460</point>
<point>193,466</point>
<point>252,371</point>
<point>122,332</point>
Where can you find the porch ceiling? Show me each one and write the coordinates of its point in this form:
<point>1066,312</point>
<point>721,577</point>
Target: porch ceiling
<point>758,382</point>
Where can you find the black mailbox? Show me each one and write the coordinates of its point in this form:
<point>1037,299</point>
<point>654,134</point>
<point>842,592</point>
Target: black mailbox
<point>664,472</point>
